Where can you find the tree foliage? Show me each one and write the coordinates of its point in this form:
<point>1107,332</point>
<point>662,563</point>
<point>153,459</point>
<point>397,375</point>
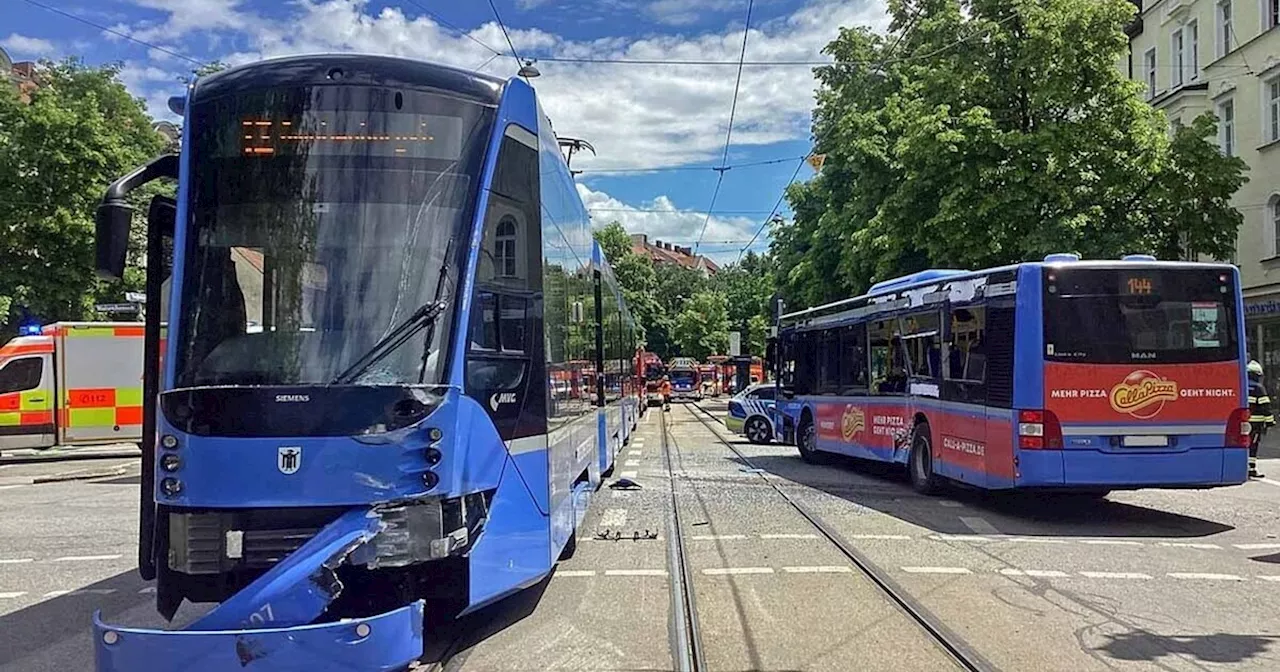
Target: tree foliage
<point>748,285</point>
<point>702,326</point>
<point>638,280</point>
<point>994,131</point>
<point>80,131</point>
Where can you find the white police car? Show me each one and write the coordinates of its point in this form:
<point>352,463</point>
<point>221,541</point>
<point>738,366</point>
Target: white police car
<point>751,413</point>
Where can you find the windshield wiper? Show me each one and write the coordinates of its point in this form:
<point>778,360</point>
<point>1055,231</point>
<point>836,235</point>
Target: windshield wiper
<point>425,315</point>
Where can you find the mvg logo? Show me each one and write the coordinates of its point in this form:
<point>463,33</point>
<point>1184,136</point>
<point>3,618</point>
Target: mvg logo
<point>501,398</point>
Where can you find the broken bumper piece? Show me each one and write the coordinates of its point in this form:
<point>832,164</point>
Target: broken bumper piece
<point>270,625</point>
<point>389,641</point>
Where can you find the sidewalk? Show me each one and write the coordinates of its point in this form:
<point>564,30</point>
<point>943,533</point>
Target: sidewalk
<point>64,453</point>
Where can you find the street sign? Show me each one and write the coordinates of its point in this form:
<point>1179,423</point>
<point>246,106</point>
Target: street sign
<point>735,343</point>
<point>135,297</point>
<point>116,307</point>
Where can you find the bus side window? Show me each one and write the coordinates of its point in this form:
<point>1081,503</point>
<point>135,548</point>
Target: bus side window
<point>886,367</point>
<point>964,366</point>
<point>853,354</point>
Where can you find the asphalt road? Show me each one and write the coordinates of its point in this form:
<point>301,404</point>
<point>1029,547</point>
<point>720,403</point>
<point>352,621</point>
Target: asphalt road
<point>1148,580</point>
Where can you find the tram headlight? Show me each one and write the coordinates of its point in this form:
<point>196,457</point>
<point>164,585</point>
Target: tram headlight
<point>434,456</point>
<point>435,434</point>
<point>430,479</point>
<point>171,486</point>
<point>170,462</point>
<point>169,441</point>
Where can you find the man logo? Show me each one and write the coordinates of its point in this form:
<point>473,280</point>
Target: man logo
<point>289,459</point>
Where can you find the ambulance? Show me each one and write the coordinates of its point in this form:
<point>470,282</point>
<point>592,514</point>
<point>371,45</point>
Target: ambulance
<point>76,383</point>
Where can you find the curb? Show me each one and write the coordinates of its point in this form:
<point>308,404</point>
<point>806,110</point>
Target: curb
<point>69,455</point>
<point>83,475</point>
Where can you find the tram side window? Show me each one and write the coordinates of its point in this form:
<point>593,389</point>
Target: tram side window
<point>887,367</point>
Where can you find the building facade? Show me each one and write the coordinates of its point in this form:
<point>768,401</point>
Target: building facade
<point>1223,56</point>
<point>666,253</point>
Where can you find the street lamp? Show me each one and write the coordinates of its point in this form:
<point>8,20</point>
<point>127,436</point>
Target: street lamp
<point>528,71</point>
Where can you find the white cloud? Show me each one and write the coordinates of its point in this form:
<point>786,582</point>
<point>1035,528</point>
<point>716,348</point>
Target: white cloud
<point>635,115</point>
<point>686,12</point>
<point>154,85</point>
<point>661,220</point>
<point>22,45</point>
<point>187,16</point>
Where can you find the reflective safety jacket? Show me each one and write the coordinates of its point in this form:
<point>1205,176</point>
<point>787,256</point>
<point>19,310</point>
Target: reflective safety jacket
<point>1260,413</point>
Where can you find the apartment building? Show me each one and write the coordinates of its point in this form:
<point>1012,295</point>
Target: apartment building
<point>1224,56</point>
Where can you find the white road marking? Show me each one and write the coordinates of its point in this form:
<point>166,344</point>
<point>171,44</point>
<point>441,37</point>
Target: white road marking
<point>630,474</point>
<point>950,504</point>
<point>1109,542</point>
<point>821,569</point>
<point>718,537</point>
<point>18,593</point>
<point>1037,540</point>
<point>1268,481</point>
<point>882,537</point>
<point>1256,547</point>
<point>635,453</point>
<point>620,494</point>
<point>93,591</point>
<point>147,590</point>
<point>613,518</point>
<point>9,487</point>
<point>1270,578</point>
<point>635,572</point>
<point>722,571</point>
<point>575,572</point>
<point>936,570</point>
<point>632,463</point>
<point>1187,544</point>
<point>1035,573</point>
<point>788,536</point>
<point>979,525</point>
<point>56,593</point>
<point>79,558</point>
<point>959,537</point>
<point>1204,576</point>
<point>15,561</point>
<point>1115,575</point>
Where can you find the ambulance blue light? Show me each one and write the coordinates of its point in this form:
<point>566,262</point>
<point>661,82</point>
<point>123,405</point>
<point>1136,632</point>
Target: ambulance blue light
<point>29,330</point>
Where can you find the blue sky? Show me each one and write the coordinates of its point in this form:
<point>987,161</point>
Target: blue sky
<point>637,116</point>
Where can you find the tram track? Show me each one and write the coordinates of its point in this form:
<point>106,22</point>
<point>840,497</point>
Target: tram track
<point>686,639</point>
<point>943,637</point>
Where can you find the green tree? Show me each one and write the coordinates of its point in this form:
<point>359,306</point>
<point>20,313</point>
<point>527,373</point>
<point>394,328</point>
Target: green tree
<point>702,326</point>
<point>993,131</point>
<point>80,131</point>
<point>638,280</point>
<point>747,286</point>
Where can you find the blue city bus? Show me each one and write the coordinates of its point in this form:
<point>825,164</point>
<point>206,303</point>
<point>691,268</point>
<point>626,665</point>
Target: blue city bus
<point>411,245</point>
<point>1084,376</point>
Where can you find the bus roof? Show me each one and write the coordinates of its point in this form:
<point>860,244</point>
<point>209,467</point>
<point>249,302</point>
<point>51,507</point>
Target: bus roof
<point>935,276</point>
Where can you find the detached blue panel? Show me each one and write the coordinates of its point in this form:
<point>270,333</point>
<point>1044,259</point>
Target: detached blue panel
<point>298,589</point>
<point>914,278</point>
<point>514,550</point>
<point>392,641</point>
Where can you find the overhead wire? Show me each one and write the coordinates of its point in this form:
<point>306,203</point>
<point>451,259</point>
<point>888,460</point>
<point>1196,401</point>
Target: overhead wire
<point>656,169</point>
<point>436,17</point>
<point>117,33</point>
<point>728,137</point>
<point>514,54</point>
<point>777,204</point>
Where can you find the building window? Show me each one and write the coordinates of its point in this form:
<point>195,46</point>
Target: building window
<point>1271,120</point>
<point>1270,14</point>
<point>1225,30</point>
<point>1192,32</point>
<point>1273,224</point>
<point>1227,127</point>
<point>1177,56</point>
<point>504,248</point>
<point>1149,68</point>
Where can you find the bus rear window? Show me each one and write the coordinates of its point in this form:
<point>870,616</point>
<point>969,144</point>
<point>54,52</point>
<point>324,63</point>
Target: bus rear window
<point>1121,316</point>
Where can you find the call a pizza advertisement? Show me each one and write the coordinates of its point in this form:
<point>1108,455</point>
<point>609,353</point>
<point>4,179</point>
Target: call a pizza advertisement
<point>1116,393</point>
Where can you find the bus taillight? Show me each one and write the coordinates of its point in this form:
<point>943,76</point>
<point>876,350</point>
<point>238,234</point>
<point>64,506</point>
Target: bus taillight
<point>1039,430</point>
<point>1238,429</point>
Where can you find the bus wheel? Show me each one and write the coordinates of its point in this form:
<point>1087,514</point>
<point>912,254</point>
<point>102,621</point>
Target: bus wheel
<point>807,442</point>
<point>757,430</point>
<point>920,462</point>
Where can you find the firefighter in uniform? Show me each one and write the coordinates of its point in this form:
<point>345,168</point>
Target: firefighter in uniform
<point>1260,415</point>
<point>665,388</point>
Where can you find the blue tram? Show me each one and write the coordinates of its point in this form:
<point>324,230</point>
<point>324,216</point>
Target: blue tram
<point>412,418</point>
